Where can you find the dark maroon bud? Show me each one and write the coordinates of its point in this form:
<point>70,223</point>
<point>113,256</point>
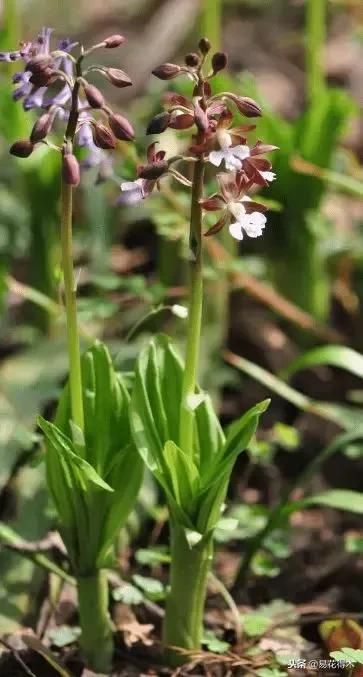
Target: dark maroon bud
<point>153,171</point>
<point>167,71</point>
<point>70,170</point>
<point>159,123</point>
<point>182,121</point>
<point>121,127</point>
<point>43,78</point>
<point>39,63</point>
<point>94,96</point>
<point>22,148</point>
<point>118,77</point>
<point>192,60</point>
<point>219,61</point>
<point>114,41</point>
<point>247,106</point>
<point>204,45</point>
<point>103,137</point>
<point>42,127</point>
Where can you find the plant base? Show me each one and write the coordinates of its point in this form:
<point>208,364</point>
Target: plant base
<point>97,637</point>
<point>183,624</point>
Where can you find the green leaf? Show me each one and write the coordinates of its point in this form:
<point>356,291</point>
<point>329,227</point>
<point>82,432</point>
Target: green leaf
<point>183,474</point>
<point>348,655</point>
<point>152,556</point>
<point>63,635</point>
<point>342,499</point>
<point>255,624</point>
<point>211,641</point>
<point>128,594</point>
<point>152,587</point>
<point>336,356</point>
<point>65,447</point>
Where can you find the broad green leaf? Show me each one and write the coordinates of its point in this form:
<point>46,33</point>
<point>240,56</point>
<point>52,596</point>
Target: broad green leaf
<point>238,438</point>
<point>342,499</point>
<point>64,446</point>
<point>183,474</point>
<point>336,356</point>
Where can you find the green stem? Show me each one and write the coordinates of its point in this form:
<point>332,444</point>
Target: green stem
<point>211,22</point>
<point>70,293</point>
<point>315,35</point>
<point>96,639</point>
<point>183,624</point>
<point>186,425</point>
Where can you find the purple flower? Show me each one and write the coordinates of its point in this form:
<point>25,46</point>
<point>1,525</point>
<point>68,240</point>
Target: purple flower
<point>34,96</point>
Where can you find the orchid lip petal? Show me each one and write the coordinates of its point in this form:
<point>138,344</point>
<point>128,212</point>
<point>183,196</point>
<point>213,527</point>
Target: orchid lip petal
<point>236,230</point>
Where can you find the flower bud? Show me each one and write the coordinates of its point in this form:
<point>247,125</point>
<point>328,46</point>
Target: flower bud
<point>42,127</point>
<point>204,45</point>
<point>159,123</point>
<point>192,60</point>
<point>70,170</point>
<point>167,71</point>
<point>219,61</point>
<point>103,137</point>
<point>153,171</point>
<point>121,127</point>
<point>114,41</point>
<point>22,148</point>
<point>182,121</point>
<point>247,106</point>
<point>39,63</point>
<point>118,77</point>
<point>94,96</point>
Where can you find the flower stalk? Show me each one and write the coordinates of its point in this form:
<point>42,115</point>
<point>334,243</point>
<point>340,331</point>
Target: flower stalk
<point>186,425</point>
<point>70,296</point>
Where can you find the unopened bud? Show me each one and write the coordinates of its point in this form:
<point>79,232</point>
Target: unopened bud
<point>159,123</point>
<point>114,41</point>
<point>94,96</point>
<point>39,63</point>
<point>118,77</point>
<point>167,71</point>
<point>247,106</point>
<point>22,148</point>
<point>204,45</point>
<point>121,127</point>
<point>153,171</point>
<point>103,137</point>
<point>70,170</point>
<point>219,61</point>
<point>182,121</point>
<point>192,60</point>
<point>42,127</point>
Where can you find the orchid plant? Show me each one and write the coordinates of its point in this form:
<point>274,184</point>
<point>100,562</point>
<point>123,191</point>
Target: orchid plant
<point>93,469</point>
<point>173,421</point>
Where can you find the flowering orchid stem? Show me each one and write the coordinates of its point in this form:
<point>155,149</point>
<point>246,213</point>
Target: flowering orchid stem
<point>96,638</point>
<point>316,34</point>
<point>186,420</point>
<point>70,293</point>
<point>183,625</point>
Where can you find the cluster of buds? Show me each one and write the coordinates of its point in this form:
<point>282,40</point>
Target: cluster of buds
<point>216,140</point>
<point>54,82</point>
